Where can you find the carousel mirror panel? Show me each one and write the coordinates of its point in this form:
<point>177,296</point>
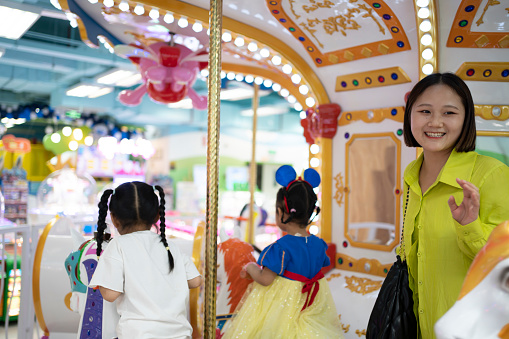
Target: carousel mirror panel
<point>372,206</point>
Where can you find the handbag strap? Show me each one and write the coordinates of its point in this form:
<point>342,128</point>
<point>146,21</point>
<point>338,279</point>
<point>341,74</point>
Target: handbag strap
<point>402,241</point>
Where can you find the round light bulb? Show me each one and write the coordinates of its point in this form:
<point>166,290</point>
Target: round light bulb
<point>66,131</point>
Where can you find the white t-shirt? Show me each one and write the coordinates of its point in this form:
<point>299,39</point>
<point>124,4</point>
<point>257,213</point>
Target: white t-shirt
<point>155,302</point>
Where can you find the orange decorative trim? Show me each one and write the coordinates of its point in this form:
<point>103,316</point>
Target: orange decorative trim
<point>340,189</point>
<point>332,276</point>
<point>360,333</point>
<point>377,78</point>
<point>397,191</point>
<point>484,71</point>
<point>194,294</point>
<point>362,285</point>
<point>373,115</point>
<point>492,112</point>
<point>398,43</point>
<point>362,265</point>
<point>461,34</point>
<point>36,275</point>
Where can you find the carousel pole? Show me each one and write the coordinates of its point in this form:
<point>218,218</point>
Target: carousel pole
<point>250,229</point>
<point>214,86</point>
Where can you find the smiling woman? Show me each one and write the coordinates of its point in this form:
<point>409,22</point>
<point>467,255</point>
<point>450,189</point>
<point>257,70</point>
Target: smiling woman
<point>441,237</point>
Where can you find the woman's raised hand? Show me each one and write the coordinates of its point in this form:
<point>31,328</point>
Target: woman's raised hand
<point>468,210</point>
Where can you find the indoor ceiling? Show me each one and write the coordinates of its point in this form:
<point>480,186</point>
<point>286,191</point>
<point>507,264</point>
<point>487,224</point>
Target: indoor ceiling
<point>51,58</point>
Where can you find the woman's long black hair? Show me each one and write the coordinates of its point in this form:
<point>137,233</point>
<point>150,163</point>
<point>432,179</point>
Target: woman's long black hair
<point>133,203</point>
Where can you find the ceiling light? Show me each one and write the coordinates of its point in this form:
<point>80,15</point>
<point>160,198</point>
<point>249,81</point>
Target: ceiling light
<point>16,19</point>
<point>90,91</point>
<point>240,93</point>
<point>101,92</point>
<point>182,104</point>
<point>111,77</point>
<point>129,81</point>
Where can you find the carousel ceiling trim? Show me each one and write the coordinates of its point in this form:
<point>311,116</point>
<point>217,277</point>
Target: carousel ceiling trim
<point>284,81</point>
<point>426,19</point>
<point>492,133</point>
<point>361,265</point>
<point>339,25</point>
<point>484,71</point>
<point>376,78</point>
<point>316,88</point>
<point>464,28</point>
<point>492,112</point>
<point>372,116</point>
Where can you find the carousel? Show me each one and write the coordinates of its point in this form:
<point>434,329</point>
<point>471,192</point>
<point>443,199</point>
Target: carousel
<point>347,66</point>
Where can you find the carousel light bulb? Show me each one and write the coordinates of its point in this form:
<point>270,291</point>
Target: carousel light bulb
<point>291,99</point>
<point>108,3</point>
<point>230,76</point>
<point>227,37</point>
<point>287,69</point>
<point>223,74</point>
<point>258,80</point>
<point>239,42</point>
<point>197,27</point>
<point>67,131</point>
<point>296,79</point>
<point>284,92</point>
<point>154,14</point>
<point>89,140</point>
<point>168,18</point>
<point>314,149</point>
<point>73,145</point>
<point>93,1</point>
<point>276,87</point>
<point>313,229</point>
<point>139,9</point>
<point>427,54</point>
<point>426,39</point>
<point>310,102</point>
<point>423,13</point>
<point>249,79</point>
<point>252,47</point>
<point>267,83</point>
<point>77,134</point>
<point>425,26</point>
<point>239,77</point>
<point>314,162</point>
<point>422,3</point>
<point>124,6</point>
<point>264,52</point>
<point>55,137</point>
<point>276,60</point>
<point>303,115</point>
<point>204,73</point>
<point>427,69</point>
<point>304,89</point>
<point>183,23</point>
<point>297,107</point>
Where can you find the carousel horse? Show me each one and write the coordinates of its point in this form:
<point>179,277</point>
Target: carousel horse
<point>482,308</point>
<point>232,255</point>
<point>98,317</point>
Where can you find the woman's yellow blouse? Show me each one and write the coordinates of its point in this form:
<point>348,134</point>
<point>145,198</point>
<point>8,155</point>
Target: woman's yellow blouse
<point>439,250</point>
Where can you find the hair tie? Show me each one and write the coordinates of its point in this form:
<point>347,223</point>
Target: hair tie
<point>167,248</point>
<point>293,210</point>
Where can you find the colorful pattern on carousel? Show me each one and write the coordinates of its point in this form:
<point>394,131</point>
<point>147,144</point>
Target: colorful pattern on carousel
<point>372,115</point>
<point>377,78</point>
<point>484,71</point>
<point>341,189</point>
<point>492,112</point>
<point>362,265</point>
<point>467,32</point>
<point>376,16</point>
<point>362,285</point>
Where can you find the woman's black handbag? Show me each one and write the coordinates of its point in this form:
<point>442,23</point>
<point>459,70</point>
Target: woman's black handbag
<point>393,315</point>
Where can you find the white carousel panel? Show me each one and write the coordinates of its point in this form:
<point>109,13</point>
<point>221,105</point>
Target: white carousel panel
<point>491,19</point>
<point>356,23</point>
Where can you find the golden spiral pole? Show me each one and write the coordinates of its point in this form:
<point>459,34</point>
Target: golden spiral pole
<point>214,86</point>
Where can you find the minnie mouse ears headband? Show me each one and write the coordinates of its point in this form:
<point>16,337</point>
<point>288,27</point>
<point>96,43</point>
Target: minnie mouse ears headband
<point>286,175</point>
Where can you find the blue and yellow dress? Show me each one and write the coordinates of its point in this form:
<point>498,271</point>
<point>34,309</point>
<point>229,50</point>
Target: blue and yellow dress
<point>298,303</point>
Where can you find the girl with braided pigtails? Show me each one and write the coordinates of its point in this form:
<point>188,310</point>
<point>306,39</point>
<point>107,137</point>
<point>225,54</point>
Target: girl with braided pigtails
<point>290,297</point>
<point>147,274</point>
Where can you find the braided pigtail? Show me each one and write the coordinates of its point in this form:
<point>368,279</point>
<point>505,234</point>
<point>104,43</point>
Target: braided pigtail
<point>162,225</point>
<point>101,220</point>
